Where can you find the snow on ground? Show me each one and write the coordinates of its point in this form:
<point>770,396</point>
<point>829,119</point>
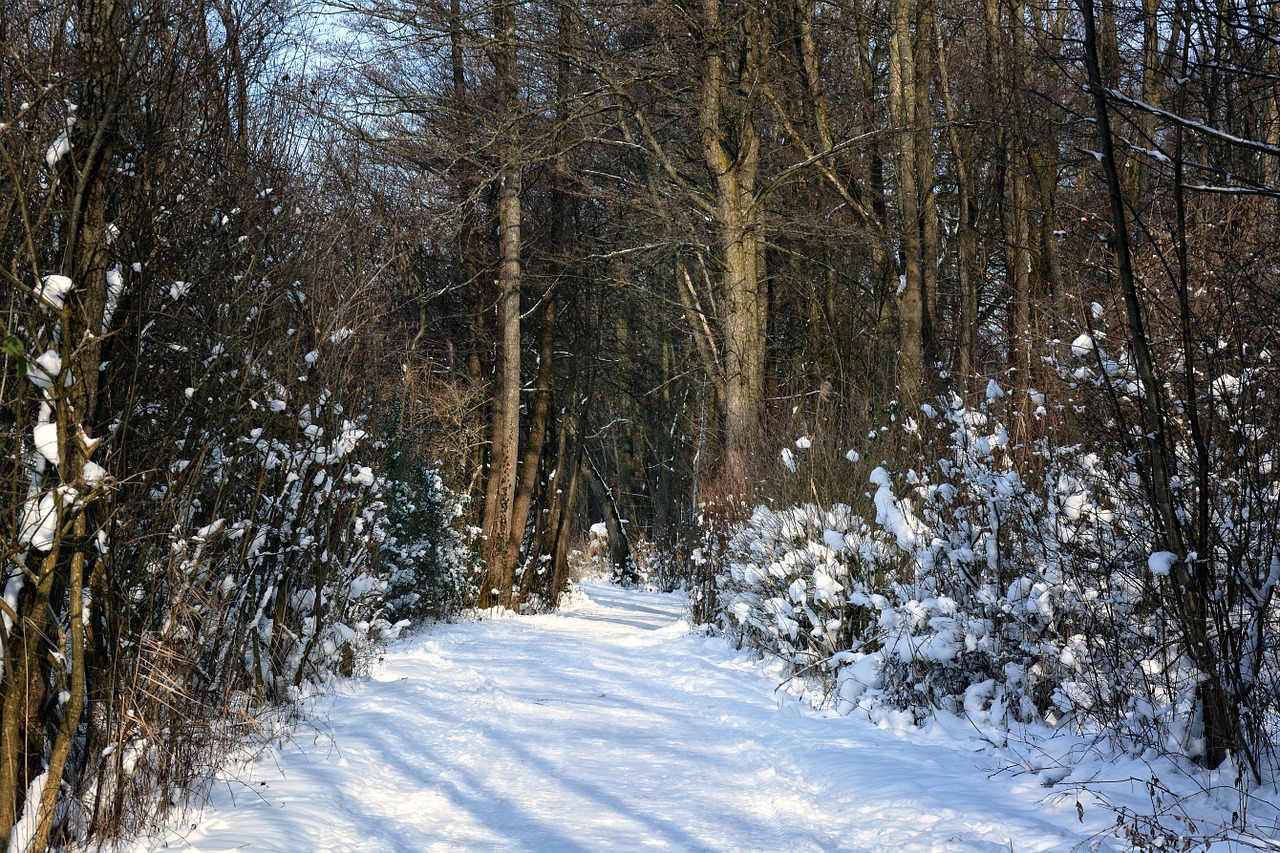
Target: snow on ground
<point>611,727</point>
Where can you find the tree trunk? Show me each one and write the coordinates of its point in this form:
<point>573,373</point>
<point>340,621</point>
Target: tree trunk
<point>930,229</point>
<point>738,226</point>
<point>619,541</point>
<point>504,436</point>
<point>561,521</point>
<point>530,466</point>
<point>44,679</point>
<point>1017,253</point>
<point>966,239</point>
<point>902,112</point>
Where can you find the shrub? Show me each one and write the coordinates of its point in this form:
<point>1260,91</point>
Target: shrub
<point>427,558</point>
<point>1006,582</point>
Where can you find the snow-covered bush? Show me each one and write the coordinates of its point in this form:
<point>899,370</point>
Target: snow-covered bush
<point>935,601</point>
<point>973,629</point>
<point>194,506</point>
<point>1000,581</point>
<point>1169,525</point>
<point>791,575</point>
<point>427,557</point>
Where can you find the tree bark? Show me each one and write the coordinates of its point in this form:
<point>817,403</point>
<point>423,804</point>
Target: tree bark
<point>910,293</point>
<point>504,436</point>
<point>530,465</point>
<point>45,650</point>
<point>966,239</point>
<point>930,229</point>
<point>738,225</point>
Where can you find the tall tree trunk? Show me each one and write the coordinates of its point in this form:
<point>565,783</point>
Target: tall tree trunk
<point>468,241</point>
<point>1152,91</point>
<point>902,111</point>
<point>1007,60</point>
<point>560,248</point>
<point>504,436</point>
<point>966,364</point>
<point>738,225</point>
<point>744,338</point>
<point>560,535</point>
<point>1017,253</point>
<point>531,464</point>
<point>930,228</point>
<point>623,566</point>
<point>556,502</point>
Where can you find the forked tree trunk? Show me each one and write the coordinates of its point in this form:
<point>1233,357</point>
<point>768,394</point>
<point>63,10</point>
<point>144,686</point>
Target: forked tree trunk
<point>738,223</point>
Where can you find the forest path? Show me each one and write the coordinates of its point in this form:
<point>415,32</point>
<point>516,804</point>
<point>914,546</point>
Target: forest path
<point>609,727</point>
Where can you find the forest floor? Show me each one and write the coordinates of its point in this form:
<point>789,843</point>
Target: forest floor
<point>610,726</point>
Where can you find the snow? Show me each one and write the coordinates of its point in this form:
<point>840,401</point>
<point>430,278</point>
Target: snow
<point>611,726</point>
<point>115,292</point>
<point>45,437</point>
<point>834,540</point>
<point>13,586</point>
<point>39,522</point>
<point>25,828</point>
<point>54,290</point>
<point>1195,125</point>
<point>60,148</point>
<point>896,519</point>
<point>1161,562</point>
<point>1082,347</point>
<point>1227,385</point>
<point>94,474</point>
<point>46,366</point>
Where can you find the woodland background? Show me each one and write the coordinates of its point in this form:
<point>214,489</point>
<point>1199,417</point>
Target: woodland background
<point>930,345</point>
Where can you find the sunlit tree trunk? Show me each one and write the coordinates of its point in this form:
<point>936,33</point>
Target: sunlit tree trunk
<point>734,172</point>
<point>903,103</point>
<point>504,439</point>
<point>530,465</point>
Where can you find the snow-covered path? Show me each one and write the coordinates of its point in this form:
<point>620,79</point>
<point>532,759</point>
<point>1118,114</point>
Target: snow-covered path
<point>609,727</point>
